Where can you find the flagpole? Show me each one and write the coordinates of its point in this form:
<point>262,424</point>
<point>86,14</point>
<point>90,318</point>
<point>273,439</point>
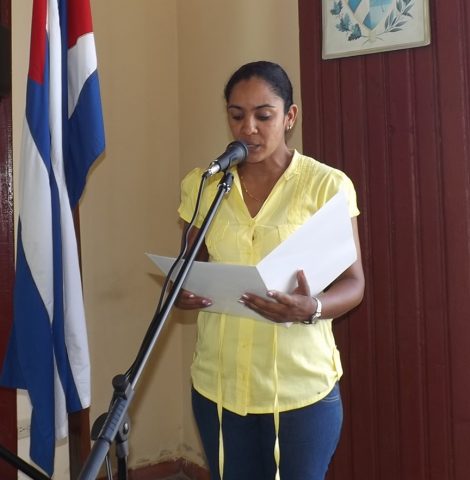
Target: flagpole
<point>117,422</point>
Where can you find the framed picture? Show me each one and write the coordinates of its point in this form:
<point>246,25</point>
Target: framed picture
<point>358,27</point>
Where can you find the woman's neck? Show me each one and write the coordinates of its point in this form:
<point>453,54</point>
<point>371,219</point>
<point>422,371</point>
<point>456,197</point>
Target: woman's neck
<point>271,167</point>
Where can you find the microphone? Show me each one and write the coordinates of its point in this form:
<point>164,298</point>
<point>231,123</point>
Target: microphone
<point>235,153</point>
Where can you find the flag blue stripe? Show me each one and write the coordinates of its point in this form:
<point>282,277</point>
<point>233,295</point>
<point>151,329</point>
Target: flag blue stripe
<point>86,138</point>
<point>60,350</point>
<point>29,359</point>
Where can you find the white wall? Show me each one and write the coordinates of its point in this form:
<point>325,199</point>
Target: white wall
<point>163,65</point>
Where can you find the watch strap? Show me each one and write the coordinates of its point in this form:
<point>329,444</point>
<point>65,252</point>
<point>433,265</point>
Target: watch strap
<point>316,315</point>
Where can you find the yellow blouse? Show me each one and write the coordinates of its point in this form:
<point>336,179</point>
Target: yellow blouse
<point>253,366</point>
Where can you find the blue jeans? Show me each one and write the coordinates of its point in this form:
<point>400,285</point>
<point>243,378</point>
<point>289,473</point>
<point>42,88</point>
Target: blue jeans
<point>308,437</point>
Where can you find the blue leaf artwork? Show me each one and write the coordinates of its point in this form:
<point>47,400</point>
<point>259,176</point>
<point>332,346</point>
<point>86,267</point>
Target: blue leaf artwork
<point>361,18</point>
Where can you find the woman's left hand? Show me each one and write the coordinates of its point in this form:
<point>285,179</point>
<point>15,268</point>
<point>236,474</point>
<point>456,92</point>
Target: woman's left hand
<point>283,307</point>
<point>341,296</point>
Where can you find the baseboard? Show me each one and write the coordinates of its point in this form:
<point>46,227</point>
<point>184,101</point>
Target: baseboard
<point>171,467</point>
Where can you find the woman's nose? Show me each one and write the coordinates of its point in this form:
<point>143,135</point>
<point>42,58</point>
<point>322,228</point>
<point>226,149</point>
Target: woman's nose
<point>249,126</point>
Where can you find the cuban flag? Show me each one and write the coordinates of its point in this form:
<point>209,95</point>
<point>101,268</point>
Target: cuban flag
<point>63,135</point>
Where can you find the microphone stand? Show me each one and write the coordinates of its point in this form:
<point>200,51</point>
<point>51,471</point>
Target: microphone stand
<point>116,421</point>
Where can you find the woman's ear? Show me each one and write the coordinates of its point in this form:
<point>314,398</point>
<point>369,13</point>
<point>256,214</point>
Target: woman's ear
<point>292,116</point>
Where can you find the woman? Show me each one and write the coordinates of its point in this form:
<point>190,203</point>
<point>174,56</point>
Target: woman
<point>266,396</point>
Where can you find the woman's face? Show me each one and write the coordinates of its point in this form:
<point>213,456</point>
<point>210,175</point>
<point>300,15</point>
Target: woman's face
<point>256,116</point>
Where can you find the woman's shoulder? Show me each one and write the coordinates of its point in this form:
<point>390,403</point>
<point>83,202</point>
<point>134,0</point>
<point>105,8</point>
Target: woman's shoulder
<point>319,182</point>
<point>193,175</point>
<point>307,165</point>
<point>192,181</point>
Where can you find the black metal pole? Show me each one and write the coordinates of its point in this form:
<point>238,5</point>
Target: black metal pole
<point>124,385</point>
<point>20,464</point>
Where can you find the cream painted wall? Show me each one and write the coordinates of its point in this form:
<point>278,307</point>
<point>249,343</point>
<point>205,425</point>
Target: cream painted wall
<point>128,209</point>
<point>162,66</point>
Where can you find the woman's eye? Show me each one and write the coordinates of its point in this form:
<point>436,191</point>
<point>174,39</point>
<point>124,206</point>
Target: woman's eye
<point>263,118</point>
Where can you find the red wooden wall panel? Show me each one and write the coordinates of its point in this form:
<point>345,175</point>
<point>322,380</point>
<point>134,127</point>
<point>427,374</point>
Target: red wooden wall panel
<point>7,397</point>
<point>398,124</point>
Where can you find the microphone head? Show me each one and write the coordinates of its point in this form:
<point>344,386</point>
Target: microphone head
<point>236,152</point>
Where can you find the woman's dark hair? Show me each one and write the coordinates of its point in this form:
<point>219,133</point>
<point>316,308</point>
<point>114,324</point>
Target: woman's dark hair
<point>271,73</point>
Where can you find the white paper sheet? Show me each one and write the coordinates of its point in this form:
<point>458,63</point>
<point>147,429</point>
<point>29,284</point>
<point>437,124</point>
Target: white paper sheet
<point>323,247</point>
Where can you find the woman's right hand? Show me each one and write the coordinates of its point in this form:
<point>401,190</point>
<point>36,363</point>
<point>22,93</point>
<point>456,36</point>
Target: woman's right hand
<point>190,301</point>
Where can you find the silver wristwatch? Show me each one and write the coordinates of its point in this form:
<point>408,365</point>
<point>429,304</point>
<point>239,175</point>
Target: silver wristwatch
<point>316,315</point>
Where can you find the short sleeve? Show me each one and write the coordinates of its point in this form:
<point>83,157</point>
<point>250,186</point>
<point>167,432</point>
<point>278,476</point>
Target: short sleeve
<point>348,188</point>
<point>189,189</point>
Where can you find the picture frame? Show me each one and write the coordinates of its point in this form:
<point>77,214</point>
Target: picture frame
<point>359,27</point>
